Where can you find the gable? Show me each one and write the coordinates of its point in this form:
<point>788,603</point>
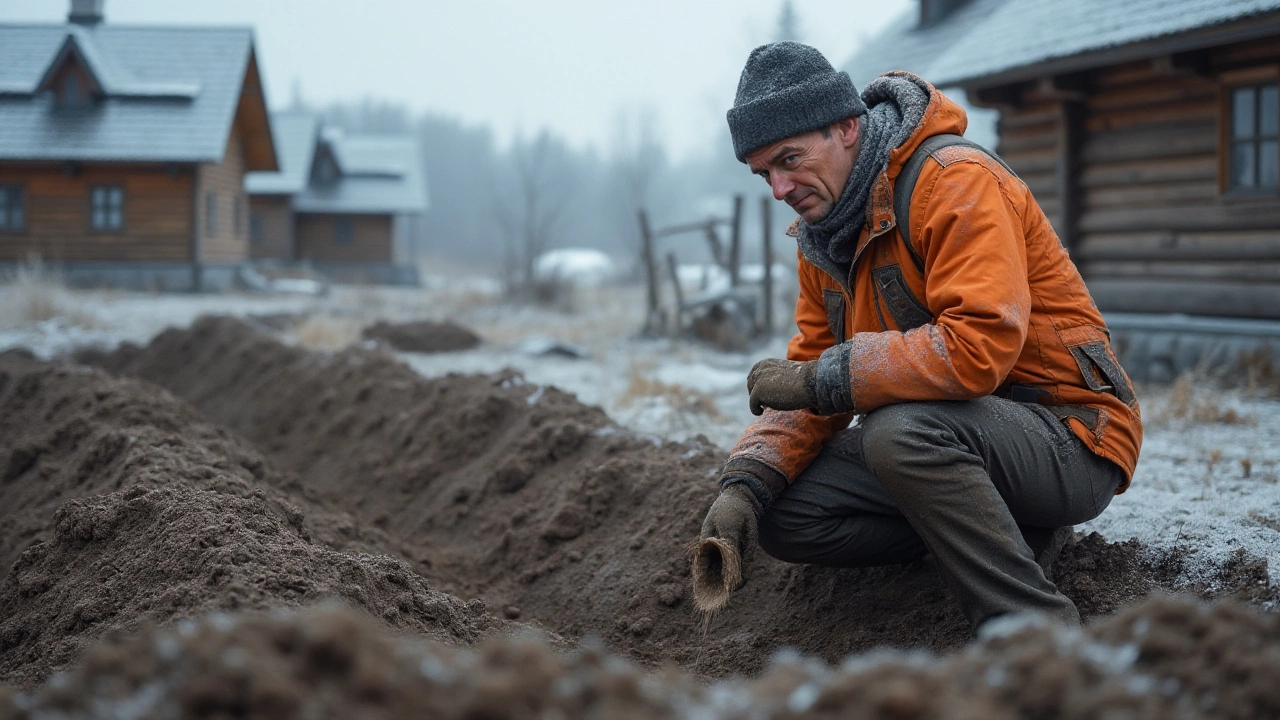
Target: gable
<point>160,94</point>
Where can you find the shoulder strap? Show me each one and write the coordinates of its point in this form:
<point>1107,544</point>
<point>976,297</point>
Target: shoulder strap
<point>905,185</point>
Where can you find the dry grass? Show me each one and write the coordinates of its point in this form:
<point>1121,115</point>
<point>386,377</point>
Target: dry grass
<point>680,398</point>
<point>1193,398</point>
<point>37,294</point>
<point>1260,371</point>
<point>717,572</point>
<point>327,332</point>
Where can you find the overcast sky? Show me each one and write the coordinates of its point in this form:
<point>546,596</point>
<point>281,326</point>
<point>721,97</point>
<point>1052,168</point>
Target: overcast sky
<point>517,65</point>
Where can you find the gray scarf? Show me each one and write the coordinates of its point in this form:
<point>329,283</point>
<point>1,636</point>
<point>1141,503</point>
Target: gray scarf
<point>896,104</point>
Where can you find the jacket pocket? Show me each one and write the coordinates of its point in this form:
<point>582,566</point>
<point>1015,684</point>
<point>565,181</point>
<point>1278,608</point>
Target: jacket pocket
<point>1098,365</point>
<point>834,301</point>
<point>907,311</point>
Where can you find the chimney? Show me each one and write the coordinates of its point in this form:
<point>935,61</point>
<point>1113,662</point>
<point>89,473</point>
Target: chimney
<point>86,12</point>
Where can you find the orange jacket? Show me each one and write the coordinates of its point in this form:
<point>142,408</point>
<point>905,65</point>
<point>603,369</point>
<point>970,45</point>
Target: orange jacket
<point>1001,302</point>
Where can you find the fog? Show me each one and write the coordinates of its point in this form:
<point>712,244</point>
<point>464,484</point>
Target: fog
<point>560,116</point>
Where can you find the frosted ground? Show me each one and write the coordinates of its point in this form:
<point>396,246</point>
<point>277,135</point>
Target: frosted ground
<point>1208,481</point>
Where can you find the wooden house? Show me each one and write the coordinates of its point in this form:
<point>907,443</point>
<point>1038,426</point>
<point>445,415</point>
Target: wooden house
<point>341,203</point>
<point>123,149</point>
<point>1149,131</point>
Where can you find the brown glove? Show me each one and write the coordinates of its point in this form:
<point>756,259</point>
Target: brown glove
<point>721,552</point>
<point>783,385</point>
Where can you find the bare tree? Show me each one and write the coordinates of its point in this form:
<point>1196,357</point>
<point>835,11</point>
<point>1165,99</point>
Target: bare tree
<point>638,155</point>
<point>788,23</point>
<point>531,216</point>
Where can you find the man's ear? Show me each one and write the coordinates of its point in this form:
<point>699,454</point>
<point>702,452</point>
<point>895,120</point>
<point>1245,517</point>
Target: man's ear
<point>847,131</point>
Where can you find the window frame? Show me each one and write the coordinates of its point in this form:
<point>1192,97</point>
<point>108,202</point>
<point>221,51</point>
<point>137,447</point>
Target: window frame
<point>9,191</point>
<point>1255,78</point>
<point>107,188</point>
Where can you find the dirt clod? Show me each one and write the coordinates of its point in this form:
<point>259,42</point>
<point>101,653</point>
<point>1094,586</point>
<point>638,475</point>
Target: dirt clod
<point>423,336</point>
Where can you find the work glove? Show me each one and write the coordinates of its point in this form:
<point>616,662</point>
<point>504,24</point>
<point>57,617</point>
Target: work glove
<point>730,531</point>
<point>783,385</point>
<point>722,550</point>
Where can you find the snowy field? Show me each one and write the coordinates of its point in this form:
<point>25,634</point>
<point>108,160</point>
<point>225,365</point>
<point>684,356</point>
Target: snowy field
<point>1207,481</point>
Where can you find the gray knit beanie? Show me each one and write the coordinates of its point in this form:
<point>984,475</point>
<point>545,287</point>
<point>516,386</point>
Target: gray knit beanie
<point>787,89</point>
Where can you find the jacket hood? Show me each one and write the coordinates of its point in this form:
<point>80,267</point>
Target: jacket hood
<point>942,115</point>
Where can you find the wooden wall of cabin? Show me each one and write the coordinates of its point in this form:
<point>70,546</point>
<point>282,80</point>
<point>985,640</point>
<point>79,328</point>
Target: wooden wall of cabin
<point>320,238</point>
<point>272,217</point>
<point>1146,217</point>
<point>157,207</point>
<point>226,240</point>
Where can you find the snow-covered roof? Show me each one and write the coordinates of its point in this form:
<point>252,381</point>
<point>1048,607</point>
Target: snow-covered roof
<point>379,174</point>
<point>374,173</point>
<point>1011,40</point>
<point>168,94</point>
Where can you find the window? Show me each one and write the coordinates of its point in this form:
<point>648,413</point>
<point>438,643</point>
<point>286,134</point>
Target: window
<point>1255,138</point>
<point>11,216</point>
<point>343,231</point>
<point>106,207</point>
<point>255,228</point>
<point>210,213</point>
<point>70,93</point>
<point>239,215</point>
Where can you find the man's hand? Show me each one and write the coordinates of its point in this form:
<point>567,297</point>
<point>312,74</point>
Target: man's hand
<point>783,385</point>
<point>721,553</point>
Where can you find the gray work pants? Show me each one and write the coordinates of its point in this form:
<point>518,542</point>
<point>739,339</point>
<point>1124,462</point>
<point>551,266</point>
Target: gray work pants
<point>963,480</point>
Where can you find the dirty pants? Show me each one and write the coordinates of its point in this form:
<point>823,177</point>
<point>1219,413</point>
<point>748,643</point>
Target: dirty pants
<point>963,480</point>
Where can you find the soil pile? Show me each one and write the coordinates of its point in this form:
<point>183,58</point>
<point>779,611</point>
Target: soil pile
<point>1162,660</point>
<point>524,497</point>
<point>423,336</point>
<point>120,506</point>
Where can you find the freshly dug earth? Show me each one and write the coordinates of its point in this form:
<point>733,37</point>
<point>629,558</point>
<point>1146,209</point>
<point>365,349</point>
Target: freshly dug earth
<point>1160,660</point>
<point>423,336</point>
<point>121,506</point>
<point>539,505</point>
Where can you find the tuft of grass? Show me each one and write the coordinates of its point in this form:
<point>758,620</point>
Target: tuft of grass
<point>38,294</point>
<point>679,397</point>
<point>1192,398</point>
<point>327,332</point>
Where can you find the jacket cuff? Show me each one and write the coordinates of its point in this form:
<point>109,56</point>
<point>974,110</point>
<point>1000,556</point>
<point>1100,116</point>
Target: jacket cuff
<point>764,482</point>
<point>833,385</point>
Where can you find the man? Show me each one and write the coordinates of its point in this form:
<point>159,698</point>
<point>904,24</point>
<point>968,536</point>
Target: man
<point>993,413</point>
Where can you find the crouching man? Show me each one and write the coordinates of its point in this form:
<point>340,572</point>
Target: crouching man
<point>936,303</point>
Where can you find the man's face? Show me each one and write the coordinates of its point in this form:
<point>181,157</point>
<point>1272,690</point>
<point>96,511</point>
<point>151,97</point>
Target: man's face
<point>809,171</point>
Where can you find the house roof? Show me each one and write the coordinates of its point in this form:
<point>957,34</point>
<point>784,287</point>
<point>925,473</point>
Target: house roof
<point>987,42</point>
<point>905,46</point>
<point>376,173</point>
<point>295,135</point>
<point>170,94</point>
<point>380,174</point>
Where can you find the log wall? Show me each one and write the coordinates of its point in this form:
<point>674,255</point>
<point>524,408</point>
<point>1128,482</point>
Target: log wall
<point>229,239</point>
<point>1147,218</point>
<point>317,238</point>
<point>157,212</point>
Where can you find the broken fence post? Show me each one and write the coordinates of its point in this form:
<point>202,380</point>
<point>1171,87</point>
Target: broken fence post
<point>767,285</point>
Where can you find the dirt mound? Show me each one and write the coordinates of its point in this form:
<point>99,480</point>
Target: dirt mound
<point>1162,660</point>
<point>522,496</point>
<point>423,336</point>
<point>120,506</point>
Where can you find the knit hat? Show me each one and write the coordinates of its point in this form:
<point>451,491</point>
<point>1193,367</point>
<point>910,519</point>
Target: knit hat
<point>787,89</point>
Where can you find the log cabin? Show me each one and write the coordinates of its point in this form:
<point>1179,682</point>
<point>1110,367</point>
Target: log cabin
<point>123,149</point>
<point>341,203</point>
<point>1147,130</point>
